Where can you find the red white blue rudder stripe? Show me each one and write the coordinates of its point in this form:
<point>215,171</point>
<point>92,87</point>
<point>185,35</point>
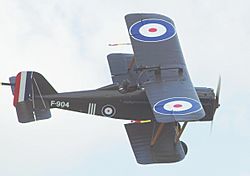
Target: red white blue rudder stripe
<point>23,86</point>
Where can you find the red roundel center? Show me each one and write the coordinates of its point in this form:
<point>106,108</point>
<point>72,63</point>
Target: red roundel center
<point>177,106</point>
<point>152,29</point>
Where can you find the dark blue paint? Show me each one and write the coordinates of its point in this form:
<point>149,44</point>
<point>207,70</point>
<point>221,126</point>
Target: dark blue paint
<point>134,30</point>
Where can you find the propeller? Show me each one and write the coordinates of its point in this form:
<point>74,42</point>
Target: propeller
<point>217,100</point>
<point>217,97</point>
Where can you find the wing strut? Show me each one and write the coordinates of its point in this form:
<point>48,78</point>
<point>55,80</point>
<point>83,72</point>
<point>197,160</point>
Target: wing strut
<point>132,62</point>
<point>179,133</point>
<point>157,134</point>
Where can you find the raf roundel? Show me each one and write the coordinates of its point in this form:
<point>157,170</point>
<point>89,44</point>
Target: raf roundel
<point>177,106</point>
<point>152,30</point>
<point>108,111</point>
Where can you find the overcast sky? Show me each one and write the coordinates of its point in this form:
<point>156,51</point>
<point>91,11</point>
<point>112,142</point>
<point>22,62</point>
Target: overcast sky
<point>67,41</point>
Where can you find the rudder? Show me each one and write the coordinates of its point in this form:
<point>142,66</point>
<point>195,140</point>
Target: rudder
<point>29,89</point>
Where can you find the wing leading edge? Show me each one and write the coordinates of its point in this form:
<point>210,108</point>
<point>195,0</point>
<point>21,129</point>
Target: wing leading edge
<point>159,58</point>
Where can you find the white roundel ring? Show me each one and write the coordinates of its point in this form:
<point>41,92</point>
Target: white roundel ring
<point>152,30</point>
<point>108,111</point>
<point>177,106</point>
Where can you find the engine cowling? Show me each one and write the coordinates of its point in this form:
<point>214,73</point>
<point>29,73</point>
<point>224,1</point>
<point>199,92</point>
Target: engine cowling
<point>208,101</point>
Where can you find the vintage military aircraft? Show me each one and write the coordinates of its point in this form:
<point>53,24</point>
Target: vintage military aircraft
<point>151,88</point>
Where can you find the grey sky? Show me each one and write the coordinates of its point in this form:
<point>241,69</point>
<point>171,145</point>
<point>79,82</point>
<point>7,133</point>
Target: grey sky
<point>67,41</point>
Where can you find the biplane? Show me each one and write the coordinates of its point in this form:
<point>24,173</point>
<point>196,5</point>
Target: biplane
<point>151,88</point>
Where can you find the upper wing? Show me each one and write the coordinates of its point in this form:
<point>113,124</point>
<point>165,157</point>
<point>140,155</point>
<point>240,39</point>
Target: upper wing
<point>119,64</point>
<point>154,40</point>
<point>159,58</point>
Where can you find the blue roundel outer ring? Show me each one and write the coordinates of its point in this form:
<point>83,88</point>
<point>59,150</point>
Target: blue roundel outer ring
<point>159,106</point>
<point>134,30</point>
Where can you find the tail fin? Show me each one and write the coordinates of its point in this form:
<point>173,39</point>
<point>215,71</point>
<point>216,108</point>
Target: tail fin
<point>29,89</point>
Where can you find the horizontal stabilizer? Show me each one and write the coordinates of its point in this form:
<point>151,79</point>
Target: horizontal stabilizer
<point>26,112</point>
<point>165,150</point>
<point>12,83</point>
